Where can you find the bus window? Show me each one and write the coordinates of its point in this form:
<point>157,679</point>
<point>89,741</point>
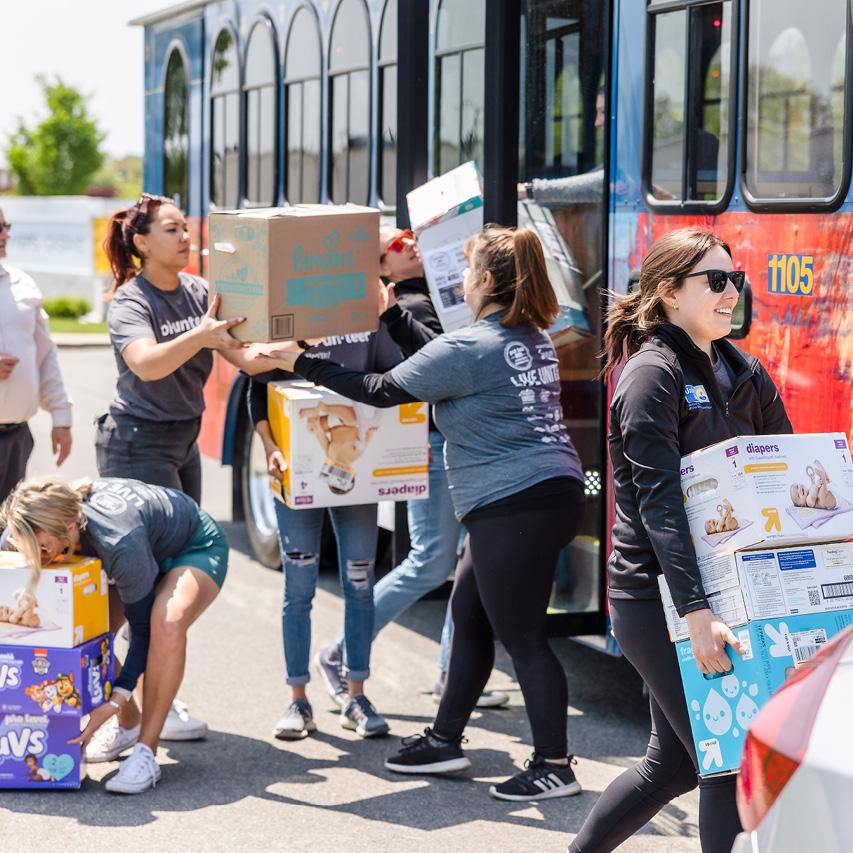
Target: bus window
<point>795,110</point>
<point>175,131</point>
<point>260,109</point>
<point>225,122</point>
<point>460,83</point>
<point>349,104</point>
<point>302,96</point>
<point>688,119</point>
<point>387,188</point>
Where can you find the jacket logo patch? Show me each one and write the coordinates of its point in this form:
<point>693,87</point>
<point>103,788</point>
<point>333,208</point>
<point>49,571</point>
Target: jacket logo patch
<point>696,397</point>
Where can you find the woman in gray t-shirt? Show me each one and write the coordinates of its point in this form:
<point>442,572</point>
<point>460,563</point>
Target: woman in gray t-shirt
<point>516,484</point>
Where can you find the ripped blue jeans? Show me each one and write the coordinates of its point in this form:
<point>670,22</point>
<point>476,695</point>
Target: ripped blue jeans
<point>299,533</point>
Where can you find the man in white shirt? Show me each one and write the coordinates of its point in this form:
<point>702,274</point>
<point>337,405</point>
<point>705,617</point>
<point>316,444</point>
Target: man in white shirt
<point>29,373</point>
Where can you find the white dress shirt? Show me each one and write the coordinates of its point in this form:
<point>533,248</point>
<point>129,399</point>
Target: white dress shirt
<point>24,333</point>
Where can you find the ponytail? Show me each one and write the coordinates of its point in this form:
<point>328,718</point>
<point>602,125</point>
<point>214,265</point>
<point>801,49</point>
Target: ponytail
<point>625,326</point>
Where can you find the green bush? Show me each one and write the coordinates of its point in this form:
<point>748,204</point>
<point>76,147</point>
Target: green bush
<point>67,306</point>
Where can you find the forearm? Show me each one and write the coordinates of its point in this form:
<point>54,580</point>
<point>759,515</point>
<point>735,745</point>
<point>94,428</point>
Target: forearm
<point>155,361</point>
<point>262,428</point>
<point>375,389</point>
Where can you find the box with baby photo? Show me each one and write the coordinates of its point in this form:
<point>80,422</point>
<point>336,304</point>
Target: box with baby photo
<point>769,490</point>
<point>35,753</point>
<point>341,453</point>
<point>65,607</point>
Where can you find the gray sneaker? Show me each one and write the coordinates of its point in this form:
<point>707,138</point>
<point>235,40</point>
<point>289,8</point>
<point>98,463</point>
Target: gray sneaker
<point>329,661</point>
<point>297,722</point>
<point>360,716</point>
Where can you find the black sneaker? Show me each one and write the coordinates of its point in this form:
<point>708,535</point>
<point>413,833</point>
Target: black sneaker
<point>428,753</point>
<point>540,780</point>
<point>329,661</point>
<point>360,716</point>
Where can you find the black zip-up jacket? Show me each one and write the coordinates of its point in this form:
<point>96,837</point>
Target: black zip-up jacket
<point>655,419</point>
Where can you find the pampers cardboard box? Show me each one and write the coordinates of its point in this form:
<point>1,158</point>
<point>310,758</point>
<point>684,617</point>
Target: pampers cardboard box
<point>341,453</point>
<point>68,606</point>
<point>298,272</point>
<point>722,707</point>
<point>769,490</point>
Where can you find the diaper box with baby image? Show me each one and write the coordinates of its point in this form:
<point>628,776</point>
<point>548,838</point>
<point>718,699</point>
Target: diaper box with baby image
<point>768,491</point>
<point>305,271</point>
<point>341,453</point>
<point>35,753</point>
<point>727,605</point>
<point>723,706</point>
<point>67,606</point>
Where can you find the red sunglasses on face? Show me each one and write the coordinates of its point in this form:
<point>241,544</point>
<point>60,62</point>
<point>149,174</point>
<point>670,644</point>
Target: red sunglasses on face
<point>399,244</point>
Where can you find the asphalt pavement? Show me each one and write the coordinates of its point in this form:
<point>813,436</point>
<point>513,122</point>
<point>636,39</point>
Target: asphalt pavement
<point>242,790</point>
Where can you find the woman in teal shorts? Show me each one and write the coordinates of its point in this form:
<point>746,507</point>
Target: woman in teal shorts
<point>167,559</point>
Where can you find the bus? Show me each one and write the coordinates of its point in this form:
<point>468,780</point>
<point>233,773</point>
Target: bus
<point>603,122</point>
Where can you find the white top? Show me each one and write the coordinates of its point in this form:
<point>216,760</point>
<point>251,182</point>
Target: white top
<point>24,333</point>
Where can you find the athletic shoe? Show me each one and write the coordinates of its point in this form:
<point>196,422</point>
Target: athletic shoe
<point>138,772</point>
<point>329,661</point>
<point>360,716</point>
<point>428,753</point>
<point>110,741</point>
<point>487,699</point>
<point>180,725</point>
<point>297,722</point>
<point>540,780</point>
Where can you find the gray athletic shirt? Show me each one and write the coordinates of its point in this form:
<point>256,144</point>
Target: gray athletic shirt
<point>497,402</point>
<point>140,310</point>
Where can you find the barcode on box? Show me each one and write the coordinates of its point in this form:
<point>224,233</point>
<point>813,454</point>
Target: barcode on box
<point>837,590</point>
<point>807,644</point>
<point>281,327</point>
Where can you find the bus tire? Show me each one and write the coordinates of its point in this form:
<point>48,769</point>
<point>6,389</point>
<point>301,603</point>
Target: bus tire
<point>258,501</point>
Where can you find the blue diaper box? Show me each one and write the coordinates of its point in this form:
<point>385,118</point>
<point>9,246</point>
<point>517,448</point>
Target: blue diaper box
<point>35,754</point>
<point>722,707</point>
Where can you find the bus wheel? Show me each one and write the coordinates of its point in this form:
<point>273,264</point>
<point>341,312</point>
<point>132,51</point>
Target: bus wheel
<point>259,503</point>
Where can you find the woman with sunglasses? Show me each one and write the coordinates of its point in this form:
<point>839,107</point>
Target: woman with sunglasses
<point>683,387</point>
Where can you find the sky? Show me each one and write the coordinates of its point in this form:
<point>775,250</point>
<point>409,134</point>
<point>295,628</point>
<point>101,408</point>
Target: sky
<point>89,45</point>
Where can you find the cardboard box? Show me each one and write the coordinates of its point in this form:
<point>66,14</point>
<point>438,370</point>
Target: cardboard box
<point>35,754</point>
<point>727,605</point>
<point>444,213</point>
<point>56,682</point>
<point>744,492</point>
<point>722,707</point>
<point>298,272</point>
<point>341,453</point>
<point>72,603</point>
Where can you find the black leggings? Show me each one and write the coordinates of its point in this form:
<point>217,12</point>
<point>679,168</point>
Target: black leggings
<point>669,768</point>
<point>502,588</point>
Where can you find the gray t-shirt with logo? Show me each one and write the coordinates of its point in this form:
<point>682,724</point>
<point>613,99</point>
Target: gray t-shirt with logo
<point>497,402</point>
<point>140,310</point>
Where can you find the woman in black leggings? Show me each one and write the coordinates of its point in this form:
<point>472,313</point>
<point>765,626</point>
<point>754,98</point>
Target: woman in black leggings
<point>515,480</point>
<point>673,328</point>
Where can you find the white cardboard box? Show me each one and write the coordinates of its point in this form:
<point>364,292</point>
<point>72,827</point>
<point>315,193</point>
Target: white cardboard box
<point>341,453</point>
<point>727,605</point>
<point>744,492</point>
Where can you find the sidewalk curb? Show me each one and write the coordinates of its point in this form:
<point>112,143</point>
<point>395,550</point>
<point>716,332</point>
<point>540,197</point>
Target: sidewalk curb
<point>81,339</point>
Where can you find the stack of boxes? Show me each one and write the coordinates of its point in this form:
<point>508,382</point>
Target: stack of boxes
<point>770,517</point>
<point>56,665</point>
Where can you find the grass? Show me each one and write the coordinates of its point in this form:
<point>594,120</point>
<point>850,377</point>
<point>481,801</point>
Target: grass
<point>68,324</point>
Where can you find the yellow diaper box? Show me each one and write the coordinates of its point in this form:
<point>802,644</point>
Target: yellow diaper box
<point>68,606</point>
<point>307,271</point>
<point>768,491</point>
<point>341,453</point>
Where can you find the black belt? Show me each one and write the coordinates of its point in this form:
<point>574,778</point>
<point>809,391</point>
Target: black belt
<point>11,427</point>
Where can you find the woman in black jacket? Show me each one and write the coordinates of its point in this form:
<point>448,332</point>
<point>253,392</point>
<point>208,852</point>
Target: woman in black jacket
<point>673,329</point>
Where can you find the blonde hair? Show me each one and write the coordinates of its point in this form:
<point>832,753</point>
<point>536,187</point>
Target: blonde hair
<point>42,505</point>
<point>633,319</point>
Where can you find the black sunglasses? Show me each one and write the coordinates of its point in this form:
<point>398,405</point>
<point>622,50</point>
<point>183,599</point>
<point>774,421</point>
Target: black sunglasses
<point>717,279</point>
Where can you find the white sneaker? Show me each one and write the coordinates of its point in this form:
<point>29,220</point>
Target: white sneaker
<point>110,741</point>
<point>180,725</point>
<point>138,772</point>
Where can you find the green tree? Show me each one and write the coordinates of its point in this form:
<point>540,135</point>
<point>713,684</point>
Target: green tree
<point>60,154</point>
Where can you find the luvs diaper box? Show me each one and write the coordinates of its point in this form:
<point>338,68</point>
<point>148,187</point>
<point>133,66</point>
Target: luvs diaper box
<point>306,271</point>
<point>341,453</point>
<point>35,753</point>
<point>770,490</point>
<point>68,606</point>
<point>723,706</point>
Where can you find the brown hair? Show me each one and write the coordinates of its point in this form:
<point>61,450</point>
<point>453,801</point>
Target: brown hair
<point>516,261</point>
<point>119,245</point>
<point>633,319</point>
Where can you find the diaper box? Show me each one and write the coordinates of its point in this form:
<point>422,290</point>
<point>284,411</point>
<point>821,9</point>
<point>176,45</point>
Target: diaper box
<point>68,606</point>
<point>56,682</point>
<point>727,605</point>
<point>306,271</point>
<point>768,491</point>
<point>722,707</point>
<point>35,754</point>
<point>341,453</point>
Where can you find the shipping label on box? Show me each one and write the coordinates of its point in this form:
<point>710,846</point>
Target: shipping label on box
<point>34,752</point>
<point>307,271</point>
<point>726,604</point>
<point>68,606</point>
<point>341,453</point>
<point>722,707</point>
<point>56,682</point>
<point>770,490</point>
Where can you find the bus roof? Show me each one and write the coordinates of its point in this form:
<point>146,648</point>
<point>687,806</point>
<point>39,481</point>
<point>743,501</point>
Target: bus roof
<point>168,12</point>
